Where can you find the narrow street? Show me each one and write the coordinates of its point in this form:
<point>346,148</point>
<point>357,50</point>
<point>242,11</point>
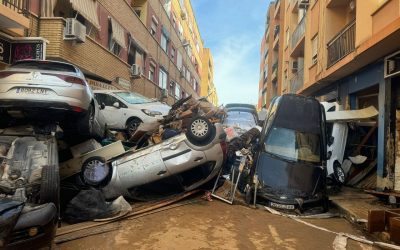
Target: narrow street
<point>217,225</point>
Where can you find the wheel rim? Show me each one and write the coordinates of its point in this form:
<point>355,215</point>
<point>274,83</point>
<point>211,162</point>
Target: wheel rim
<point>95,172</point>
<point>340,175</point>
<point>199,128</point>
<point>132,127</point>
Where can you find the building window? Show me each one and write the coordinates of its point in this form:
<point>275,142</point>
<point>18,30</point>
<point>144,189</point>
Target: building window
<point>314,46</point>
<point>154,25</point>
<point>135,56</point>
<point>173,51</point>
<point>164,42</point>
<point>152,72</point>
<point>179,60</point>
<point>113,46</point>
<point>167,7</point>
<point>163,79</point>
<point>164,39</point>
<point>177,91</point>
<point>171,89</point>
<point>188,75</point>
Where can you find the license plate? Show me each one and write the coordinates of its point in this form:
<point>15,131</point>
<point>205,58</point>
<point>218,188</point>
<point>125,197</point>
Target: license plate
<point>282,206</point>
<point>33,91</point>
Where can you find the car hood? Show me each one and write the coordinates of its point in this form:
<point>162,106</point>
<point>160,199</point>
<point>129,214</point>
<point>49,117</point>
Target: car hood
<point>153,106</point>
<point>281,178</point>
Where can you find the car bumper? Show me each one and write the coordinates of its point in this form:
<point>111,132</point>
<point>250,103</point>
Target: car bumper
<point>40,219</point>
<point>290,203</point>
<point>34,109</point>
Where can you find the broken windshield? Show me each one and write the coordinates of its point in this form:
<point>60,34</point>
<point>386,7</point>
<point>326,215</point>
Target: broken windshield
<point>293,145</point>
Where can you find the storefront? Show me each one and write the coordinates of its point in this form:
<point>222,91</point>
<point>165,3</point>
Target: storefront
<point>13,49</point>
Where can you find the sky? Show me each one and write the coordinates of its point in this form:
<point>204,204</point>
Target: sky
<point>233,29</point>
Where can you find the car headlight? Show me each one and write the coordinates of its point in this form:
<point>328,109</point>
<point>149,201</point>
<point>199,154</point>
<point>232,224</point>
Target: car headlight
<point>151,112</point>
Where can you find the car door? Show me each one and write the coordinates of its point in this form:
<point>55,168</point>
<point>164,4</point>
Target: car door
<point>114,116</point>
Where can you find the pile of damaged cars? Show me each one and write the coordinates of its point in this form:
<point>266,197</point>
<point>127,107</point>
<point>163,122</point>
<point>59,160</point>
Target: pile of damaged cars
<point>56,143</point>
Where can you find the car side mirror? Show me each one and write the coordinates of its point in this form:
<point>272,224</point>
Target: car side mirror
<point>116,105</point>
<point>331,139</point>
<point>102,106</point>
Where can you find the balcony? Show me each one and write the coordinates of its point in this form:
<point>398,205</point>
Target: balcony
<point>336,3</point>
<point>277,9</point>
<point>342,44</point>
<point>14,13</point>
<point>297,42</point>
<point>296,83</point>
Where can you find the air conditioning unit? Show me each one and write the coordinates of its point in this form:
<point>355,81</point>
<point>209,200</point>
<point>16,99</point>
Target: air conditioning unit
<point>183,15</point>
<point>303,4</point>
<point>295,66</point>
<point>182,73</point>
<point>136,71</point>
<point>74,30</point>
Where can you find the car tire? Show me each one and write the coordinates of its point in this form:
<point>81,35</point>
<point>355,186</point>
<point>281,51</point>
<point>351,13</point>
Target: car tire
<point>92,177</point>
<point>200,131</point>
<point>50,185</point>
<point>132,124</point>
<point>338,173</point>
<point>86,123</point>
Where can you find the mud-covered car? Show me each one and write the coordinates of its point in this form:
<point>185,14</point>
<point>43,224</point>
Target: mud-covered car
<point>29,188</point>
<point>193,157</point>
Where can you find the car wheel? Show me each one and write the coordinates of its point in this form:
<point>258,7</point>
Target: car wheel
<point>200,131</point>
<point>338,173</point>
<point>86,123</point>
<point>94,170</point>
<point>50,185</point>
<point>132,125</point>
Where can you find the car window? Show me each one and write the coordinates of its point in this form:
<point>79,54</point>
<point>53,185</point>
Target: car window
<point>240,119</point>
<point>293,145</point>
<point>108,100</point>
<point>44,65</point>
<point>133,98</point>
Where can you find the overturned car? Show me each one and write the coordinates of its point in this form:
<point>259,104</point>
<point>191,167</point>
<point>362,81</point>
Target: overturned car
<point>29,188</point>
<point>193,158</point>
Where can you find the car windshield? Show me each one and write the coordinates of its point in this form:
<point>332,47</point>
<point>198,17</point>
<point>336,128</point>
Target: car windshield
<point>133,98</point>
<point>293,145</point>
<point>44,65</point>
<point>242,119</point>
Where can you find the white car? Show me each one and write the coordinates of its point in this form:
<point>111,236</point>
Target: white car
<point>124,110</point>
<point>337,138</point>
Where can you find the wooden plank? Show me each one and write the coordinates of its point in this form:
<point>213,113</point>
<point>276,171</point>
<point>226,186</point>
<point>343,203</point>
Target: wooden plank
<point>362,174</point>
<point>373,192</point>
<point>394,229</point>
<point>376,221</point>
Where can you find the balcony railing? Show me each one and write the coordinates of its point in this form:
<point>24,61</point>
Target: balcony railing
<point>20,6</point>
<point>299,32</point>
<point>296,83</point>
<point>342,44</point>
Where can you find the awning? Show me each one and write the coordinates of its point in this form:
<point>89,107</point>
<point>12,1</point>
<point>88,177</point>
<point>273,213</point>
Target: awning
<point>88,9</point>
<point>133,41</point>
<point>118,33</point>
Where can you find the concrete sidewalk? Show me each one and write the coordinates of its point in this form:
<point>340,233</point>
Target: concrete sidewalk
<point>355,203</point>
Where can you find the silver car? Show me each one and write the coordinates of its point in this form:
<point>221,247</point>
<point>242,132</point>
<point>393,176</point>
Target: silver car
<point>194,158</point>
<point>48,91</point>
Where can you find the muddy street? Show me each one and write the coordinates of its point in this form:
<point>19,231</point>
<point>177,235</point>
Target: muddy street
<point>216,225</point>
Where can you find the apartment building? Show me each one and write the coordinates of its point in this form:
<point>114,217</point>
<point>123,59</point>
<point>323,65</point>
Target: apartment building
<point>346,51</point>
<point>152,47</point>
<point>207,78</point>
